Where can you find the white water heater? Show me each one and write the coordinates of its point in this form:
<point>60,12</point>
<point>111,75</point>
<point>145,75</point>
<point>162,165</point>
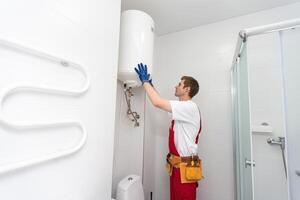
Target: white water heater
<point>136,45</point>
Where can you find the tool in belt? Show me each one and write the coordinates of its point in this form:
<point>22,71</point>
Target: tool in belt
<point>190,167</point>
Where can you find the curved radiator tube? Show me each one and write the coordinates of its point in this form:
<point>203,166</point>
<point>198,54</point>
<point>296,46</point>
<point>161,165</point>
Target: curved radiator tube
<point>4,168</point>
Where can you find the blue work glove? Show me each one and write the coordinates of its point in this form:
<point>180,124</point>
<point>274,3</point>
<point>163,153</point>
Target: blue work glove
<point>142,72</point>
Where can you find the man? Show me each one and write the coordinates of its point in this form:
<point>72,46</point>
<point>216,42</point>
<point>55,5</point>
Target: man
<point>183,133</point>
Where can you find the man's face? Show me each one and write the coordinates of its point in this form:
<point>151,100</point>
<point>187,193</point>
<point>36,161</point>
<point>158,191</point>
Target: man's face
<point>179,90</point>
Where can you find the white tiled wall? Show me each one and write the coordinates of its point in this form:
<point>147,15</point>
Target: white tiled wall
<point>78,31</point>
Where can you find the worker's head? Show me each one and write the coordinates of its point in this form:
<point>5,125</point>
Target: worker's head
<point>188,86</point>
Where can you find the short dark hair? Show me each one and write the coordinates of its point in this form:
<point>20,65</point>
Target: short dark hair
<point>192,83</point>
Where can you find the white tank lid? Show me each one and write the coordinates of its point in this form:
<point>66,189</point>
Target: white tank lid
<point>129,180</point>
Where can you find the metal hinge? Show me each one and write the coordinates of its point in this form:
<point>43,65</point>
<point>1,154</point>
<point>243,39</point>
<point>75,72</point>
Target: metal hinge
<point>249,163</point>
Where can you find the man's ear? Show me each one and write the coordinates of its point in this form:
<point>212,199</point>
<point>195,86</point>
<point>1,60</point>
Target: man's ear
<point>187,89</point>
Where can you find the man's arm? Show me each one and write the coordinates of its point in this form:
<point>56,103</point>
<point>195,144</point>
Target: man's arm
<point>155,98</point>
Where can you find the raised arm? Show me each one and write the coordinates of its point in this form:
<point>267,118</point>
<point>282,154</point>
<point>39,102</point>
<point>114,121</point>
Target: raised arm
<point>153,95</point>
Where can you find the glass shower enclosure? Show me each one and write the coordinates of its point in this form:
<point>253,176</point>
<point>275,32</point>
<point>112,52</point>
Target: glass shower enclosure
<point>289,45</point>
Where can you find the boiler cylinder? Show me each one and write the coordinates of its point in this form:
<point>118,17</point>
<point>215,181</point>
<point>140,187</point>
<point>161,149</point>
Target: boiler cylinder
<point>136,45</point>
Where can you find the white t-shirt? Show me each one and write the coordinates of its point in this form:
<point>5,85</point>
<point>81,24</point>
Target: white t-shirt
<point>186,116</point>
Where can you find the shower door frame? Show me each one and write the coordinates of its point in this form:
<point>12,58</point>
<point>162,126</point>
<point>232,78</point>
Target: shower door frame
<point>242,40</point>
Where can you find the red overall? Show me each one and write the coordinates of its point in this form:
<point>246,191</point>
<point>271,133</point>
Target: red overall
<point>178,190</point>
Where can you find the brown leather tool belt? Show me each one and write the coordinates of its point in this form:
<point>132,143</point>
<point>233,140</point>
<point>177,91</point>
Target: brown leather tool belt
<point>174,160</point>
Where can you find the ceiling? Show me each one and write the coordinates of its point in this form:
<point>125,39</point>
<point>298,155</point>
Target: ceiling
<point>175,15</point>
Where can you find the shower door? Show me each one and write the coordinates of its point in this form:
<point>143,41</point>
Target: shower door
<point>241,128</point>
<point>290,43</point>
